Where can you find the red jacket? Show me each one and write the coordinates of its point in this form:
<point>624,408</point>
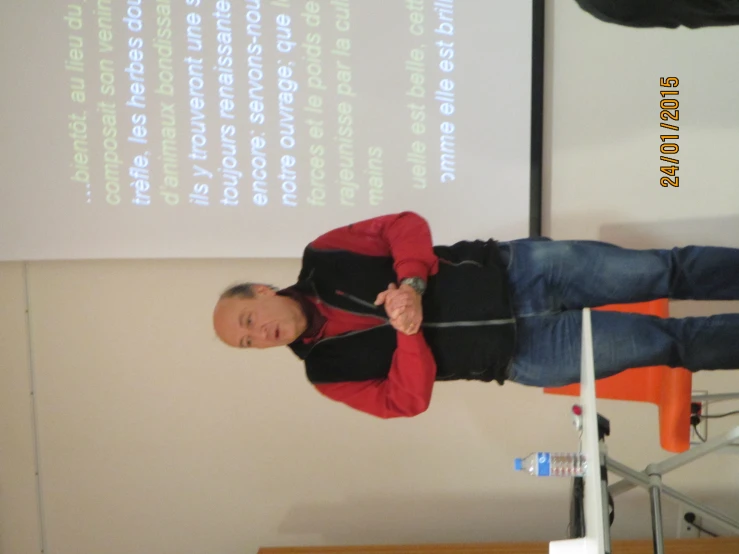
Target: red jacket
<point>406,391</point>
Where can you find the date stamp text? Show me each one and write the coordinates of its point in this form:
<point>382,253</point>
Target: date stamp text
<point>669,114</point>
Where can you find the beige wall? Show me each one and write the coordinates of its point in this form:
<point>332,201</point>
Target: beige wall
<point>154,438</point>
<point>19,508</point>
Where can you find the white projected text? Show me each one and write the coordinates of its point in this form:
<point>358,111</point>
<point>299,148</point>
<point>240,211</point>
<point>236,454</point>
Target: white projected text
<point>259,105</point>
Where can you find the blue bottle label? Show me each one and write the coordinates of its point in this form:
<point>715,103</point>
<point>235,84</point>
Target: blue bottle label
<point>543,464</point>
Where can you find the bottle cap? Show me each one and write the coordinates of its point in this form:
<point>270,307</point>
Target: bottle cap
<point>518,464</point>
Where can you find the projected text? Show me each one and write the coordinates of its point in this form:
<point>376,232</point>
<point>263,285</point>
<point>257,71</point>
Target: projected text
<point>258,104</point>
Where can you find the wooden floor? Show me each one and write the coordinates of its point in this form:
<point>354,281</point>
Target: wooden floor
<point>684,546</point>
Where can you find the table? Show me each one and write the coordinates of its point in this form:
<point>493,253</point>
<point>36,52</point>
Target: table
<point>597,530</point>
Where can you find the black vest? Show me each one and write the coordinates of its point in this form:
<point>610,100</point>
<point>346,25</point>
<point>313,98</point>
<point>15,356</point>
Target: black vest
<point>467,316</point>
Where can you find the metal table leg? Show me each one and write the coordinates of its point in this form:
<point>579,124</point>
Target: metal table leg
<point>640,479</point>
<point>655,498</point>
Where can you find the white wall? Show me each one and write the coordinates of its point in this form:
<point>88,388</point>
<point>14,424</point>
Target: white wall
<point>154,438</point>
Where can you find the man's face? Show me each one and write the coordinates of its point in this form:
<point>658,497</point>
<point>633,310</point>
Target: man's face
<point>264,321</point>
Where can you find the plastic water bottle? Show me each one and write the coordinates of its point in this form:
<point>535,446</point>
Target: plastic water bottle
<point>553,464</point>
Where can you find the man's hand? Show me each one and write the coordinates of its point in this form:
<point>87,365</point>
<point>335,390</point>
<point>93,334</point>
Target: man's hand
<point>403,307</point>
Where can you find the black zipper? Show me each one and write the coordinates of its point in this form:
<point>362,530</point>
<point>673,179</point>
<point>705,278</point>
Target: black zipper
<point>366,304</point>
<point>463,262</point>
<point>356,300</point>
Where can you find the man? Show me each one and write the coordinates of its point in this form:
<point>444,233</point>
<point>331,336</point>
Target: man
<point>669,14</point>
<point>379,315</point>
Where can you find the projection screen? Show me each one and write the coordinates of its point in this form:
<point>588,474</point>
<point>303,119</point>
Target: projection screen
<point>245,128</point>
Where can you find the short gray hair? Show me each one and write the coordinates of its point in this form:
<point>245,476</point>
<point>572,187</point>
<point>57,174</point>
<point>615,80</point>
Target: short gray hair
<point>243,290</point>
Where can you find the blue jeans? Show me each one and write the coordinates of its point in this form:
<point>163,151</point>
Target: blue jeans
<point>552,281</point>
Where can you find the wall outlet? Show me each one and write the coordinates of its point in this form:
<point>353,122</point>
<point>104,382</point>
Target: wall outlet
<point>687,530</point>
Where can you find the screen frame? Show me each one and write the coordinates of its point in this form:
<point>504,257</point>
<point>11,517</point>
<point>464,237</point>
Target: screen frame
<point>537,118</point>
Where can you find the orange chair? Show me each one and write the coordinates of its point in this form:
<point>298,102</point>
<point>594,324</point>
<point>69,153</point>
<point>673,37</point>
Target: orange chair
<point>669,388</point>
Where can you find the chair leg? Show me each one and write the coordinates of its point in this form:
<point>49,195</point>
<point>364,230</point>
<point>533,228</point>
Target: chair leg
<point>708,447</point>
<point>658,539</point>
<point>641,479</point>
<point>708,398</point>
<point>651,479</point>
<point>620,487</point>
<point>679,460</point>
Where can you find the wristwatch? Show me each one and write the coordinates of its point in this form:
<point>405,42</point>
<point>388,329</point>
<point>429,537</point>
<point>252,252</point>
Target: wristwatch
<point>416,283</point>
